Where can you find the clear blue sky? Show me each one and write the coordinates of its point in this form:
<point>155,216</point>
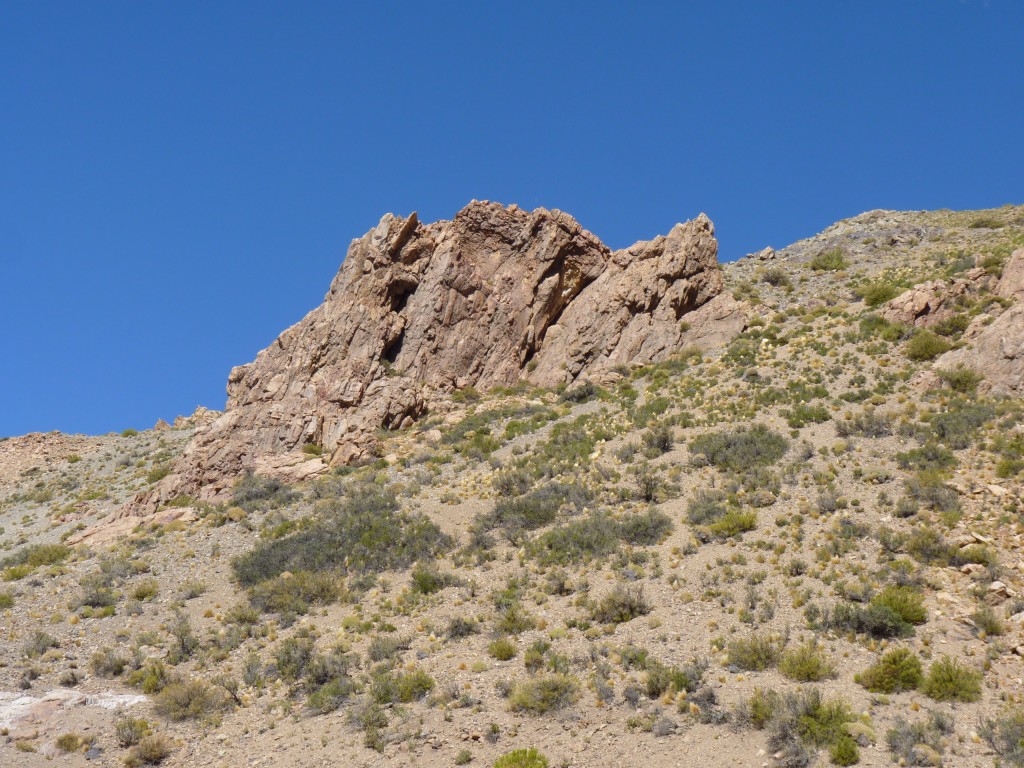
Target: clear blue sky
<point>180,180</point>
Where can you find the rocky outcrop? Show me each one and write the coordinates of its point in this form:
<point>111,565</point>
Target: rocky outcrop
<point>994,346</point>
<point>416,311</point>
<point>925,304</point>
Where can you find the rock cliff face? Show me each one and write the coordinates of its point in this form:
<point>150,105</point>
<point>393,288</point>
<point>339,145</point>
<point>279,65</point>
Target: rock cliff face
<point>495,295</point>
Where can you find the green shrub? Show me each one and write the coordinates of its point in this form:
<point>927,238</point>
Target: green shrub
<point>39,643</point>
<point>806,663</point>
<point>878,292</point>
<point>538,508</point>
<point>961,379</point>
<point>957,426</point>
<point>828,261</point>
<point>805,720</point>
<point>905,602</point>
<point>733,523</point>
<point>522,758</point>
<point>107,662</point>
<point>363,533</point>
<point>73,742</point>
<point>253,492</point>
<point>296,592</point>
<point>921,742</point>
<point>756,652</point>
<point>386,647</point>
<point>646,528</point>
<point>878,621</point>
<point>897,670</point>
<point>390,687</point>
<point>706,506</point>
<point>426,580</point>
<point>930,456</point>
<point>538,695</point>
<point>803,414</point>
<point>949,680</point>
<point>151,750</point>
<point>190,700</point>
<point>925,345</point>
<point>928,546</point>
<point>622,604</point>
<point>293,655</point>
<point>1005,735</point>
<point>759,709</point>
<point>988,621</point>
<point>503,649</point>
<point>777,277</point>
<point>128,731</point>
<point>6,600</point>
<point>577,542</point>
<point>741,449</point>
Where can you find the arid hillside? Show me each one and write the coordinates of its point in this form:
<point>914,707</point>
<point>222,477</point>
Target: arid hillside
<point>795,541</point>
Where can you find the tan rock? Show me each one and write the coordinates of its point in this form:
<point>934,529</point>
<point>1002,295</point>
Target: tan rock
<point>926,304</point>
<point>1011,284</point>
<point>494,296</point>
<point>995,351</point>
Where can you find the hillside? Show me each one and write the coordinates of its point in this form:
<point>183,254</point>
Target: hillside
<point>800,542</point>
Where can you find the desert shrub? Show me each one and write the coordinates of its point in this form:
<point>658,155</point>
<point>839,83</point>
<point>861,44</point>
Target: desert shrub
<point>576,542</point>
<point>503,649</point>
<point>986,222</point>
<point>6,600</point>
<point>897,670</point>
<point>1005,734</point>
<point>622,604</point>
<point>253,492</point>
<point>386,647</point>
<point>958,425</point>
<point>293,655</point>
<point>921,742</point>
<point>538,508</point>
<point>426,580</point>
<point>878,292</point>
<point>988,621</point>
<point>961,379</point>
<point>867,423</point>
<point>878,621</point>
<point>928,546</point>
<point>646,528</point>
<point>460,627</point>
<point>777,277</point>
<point>828,261</point>
<point>758,710</point>
<point>545,693</point>
<point>925,345</point>
<point>872,326</point>
<point>39,643</point>
<point>756,652</point>
<point>658,440</point>
<point>37,555</point>
<point>803,414</point>
<point>929,488</point>
<point>151,750</point>
<point>580,393</point>
<point>295,592</point>
<point>522,758</point>
<point>107,662</point>
<point>905,602</point>
<point>365,532</point>
<point>661,677</point>
<point>804,720</point>
<point>806,663</point>
<point>706,506</point>
<point>930,456</point>
<point>949,680</point>
<point>733,523</point>
<point>327,681</point>
<point>391,687</point>
<point>129,731</point>
<point>73,742</point>
<point>741,449</point>
<point>190,700</point>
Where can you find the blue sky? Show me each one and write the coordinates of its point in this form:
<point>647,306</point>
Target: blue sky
<point>180,180</point>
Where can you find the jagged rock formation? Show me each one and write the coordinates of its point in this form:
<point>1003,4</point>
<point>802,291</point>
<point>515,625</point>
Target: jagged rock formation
<point>493,296</point>
<point>995,346</point>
